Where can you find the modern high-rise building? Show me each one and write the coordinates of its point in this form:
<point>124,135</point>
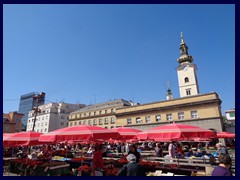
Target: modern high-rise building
<point>27,102</point>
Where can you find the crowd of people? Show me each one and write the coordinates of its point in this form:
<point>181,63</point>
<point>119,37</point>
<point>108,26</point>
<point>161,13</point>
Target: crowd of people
<point>133,152</point>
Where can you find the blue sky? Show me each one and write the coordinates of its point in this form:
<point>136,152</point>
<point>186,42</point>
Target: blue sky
<point>94,53</point>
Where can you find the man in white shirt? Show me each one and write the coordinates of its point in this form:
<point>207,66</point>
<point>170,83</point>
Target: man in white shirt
<point>172,149</point>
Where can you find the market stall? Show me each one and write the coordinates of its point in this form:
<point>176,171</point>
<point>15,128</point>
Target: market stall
<point>27,167</point>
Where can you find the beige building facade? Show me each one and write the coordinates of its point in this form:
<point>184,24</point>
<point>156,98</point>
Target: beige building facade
<point>201,110</point>
<point>102,114</point>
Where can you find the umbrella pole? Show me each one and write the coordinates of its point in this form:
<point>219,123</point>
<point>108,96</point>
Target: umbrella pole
<point>28,148</point>
<point>177,161</point>
<point>12,153</point>
<point>81,156</point>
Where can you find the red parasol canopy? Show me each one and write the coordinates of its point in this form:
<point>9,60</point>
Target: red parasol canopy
<point>6,135</point>
<point>225,135</point>
<point>79,133</point>
<point>176,131</point>
<point>127,132</point>
<point>28,138</point>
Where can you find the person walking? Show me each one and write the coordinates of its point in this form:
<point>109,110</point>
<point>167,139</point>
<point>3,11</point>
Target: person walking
<point>221,149</point>
<point>172,149</point>
<point>159,150</point>
<point>132,168</point>
<point>97,162</point>
<point>223,169</point>
<point>133,150</point>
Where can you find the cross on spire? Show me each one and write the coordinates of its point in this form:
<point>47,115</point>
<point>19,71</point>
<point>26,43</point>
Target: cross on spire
<point>182,40</point>
<point>168,84</point>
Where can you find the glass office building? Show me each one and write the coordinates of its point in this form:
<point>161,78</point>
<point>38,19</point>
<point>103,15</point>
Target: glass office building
<point>27,102</point>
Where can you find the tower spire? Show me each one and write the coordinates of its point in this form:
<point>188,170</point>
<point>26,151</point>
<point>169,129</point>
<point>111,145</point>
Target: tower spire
<point>169,92</point>
<point>182,40</point>
<point>184,57</point>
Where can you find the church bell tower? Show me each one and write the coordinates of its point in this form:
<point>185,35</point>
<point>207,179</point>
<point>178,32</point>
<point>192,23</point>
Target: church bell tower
<point>187,76</point>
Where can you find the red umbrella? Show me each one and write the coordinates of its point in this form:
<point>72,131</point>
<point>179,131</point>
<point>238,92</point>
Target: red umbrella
<point>127,132</point>
<point>176,131</point>
<point>6,135</point>
<point>28,138</point>
<point>79,133</point>
<point>225,135</point>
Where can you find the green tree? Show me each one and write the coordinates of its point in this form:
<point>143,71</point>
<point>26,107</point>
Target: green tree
<point>226,123</point>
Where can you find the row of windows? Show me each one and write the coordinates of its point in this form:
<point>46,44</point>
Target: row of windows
<point>94,122</point>
<point>41,130</point>
<point>158,118</point>
<point>38,125</point>
<point>39,118</point>
<point>42,111</point>
<point>42,124</point>
<point>42,118</point>
<point>91,113</point>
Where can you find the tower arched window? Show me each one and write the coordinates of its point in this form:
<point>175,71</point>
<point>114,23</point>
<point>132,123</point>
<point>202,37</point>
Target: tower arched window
<point>186,80</point>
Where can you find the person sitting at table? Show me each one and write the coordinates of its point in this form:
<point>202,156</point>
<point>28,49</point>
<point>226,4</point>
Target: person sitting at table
<point>223,169</point>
